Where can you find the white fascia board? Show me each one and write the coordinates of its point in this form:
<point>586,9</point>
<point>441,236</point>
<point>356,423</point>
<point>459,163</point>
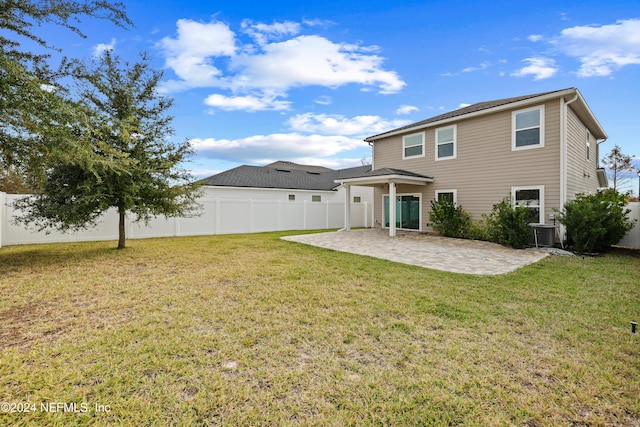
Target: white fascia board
<point>399,179</point>
<point>592,117</point>
<point>510,106</point>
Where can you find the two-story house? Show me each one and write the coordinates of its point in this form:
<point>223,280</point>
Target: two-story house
<point>540,149</point>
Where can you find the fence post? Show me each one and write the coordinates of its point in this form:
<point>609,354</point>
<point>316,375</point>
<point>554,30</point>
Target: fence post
<point>217,219</point>
<point>3,214</point>
<point>326,215</point>
<point>251,216</point>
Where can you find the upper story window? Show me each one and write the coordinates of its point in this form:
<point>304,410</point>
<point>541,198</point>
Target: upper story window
<point>588,144</point>
<point>446,143</point>
<point>528,128</point>
<point>316,198</point>
<point>413,145</point>
<point>357,199</point>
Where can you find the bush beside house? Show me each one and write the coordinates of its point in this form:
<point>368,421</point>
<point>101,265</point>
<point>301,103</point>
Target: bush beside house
<point>596,221</point>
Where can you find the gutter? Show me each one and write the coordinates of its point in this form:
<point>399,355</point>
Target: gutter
<point>563,151</point>
<point>563,160</point>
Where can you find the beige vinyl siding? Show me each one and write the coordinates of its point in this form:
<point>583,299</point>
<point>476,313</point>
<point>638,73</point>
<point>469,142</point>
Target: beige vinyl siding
<point>581,173</point>
<point>485,169</point>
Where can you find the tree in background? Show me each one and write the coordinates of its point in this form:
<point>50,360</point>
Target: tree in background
<point>620,167</point>
<point>12,182</point>
<point>135,167</point>
<point>38,125</point>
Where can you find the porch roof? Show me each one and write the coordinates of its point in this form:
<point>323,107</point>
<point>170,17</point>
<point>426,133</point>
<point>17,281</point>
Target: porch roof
<point>384,176</point>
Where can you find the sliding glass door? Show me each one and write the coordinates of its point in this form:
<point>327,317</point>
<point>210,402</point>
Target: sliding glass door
<point>407,212</point>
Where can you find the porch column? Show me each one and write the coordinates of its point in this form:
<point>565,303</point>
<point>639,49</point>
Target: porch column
<point>347,207</point>
<point>392,209</point>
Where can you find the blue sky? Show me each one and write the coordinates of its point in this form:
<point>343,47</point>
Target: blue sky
<point>257,81</point>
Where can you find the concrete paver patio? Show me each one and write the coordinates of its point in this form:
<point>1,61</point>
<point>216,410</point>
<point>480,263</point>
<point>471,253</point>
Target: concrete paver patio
<point>426,250</point>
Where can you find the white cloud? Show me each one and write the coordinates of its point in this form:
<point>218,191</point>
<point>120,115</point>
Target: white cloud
<point>534,38</point>
<point>190,55</point>
<point>602,49</point>
<point>246,103</point>
<point>99,49</point>
<point>210,55</point>
<point>324,100</point>
<point>265,148</point>
<point>339,125</point>
<point>262,33</point>
<point>406,109</point>
<point>482,66</point>
<point>539,68</point>
<point>312,60</point>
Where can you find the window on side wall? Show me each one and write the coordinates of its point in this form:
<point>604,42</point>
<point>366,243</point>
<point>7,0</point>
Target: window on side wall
<point>528,128</point>
<point>316,198</point>
<point>533,199</point>
<point>447,195</point>
<point>357,199</point>
<point>413,145</point>
<point>588,144</point>
<point>446,143</point>
<point>292,197</point>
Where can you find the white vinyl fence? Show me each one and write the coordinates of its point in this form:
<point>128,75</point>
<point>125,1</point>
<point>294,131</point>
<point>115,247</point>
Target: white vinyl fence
<point>219,216</point>
<point>632,238</point>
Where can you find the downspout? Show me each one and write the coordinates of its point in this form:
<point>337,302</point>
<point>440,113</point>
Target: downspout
<point>563,160</point>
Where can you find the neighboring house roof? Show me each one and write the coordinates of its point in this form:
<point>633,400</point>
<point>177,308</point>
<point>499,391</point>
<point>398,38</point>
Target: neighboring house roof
<point>581,108</point>
<point>285,175</point>
<point>282,164</point>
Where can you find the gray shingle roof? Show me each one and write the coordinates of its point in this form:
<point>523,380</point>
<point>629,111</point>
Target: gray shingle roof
<point>467,110</point>
<point>295,177</point>
<point>385,172</point>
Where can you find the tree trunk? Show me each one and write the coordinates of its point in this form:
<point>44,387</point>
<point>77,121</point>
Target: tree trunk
<point>121,235</point>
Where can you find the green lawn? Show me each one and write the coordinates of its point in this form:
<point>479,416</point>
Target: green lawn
<point>253,330</point>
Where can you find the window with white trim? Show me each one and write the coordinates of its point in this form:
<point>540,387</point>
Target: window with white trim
<point>450,195</point>
<point>528,128</point>
<point>413,145</point>
<point>533,199</point>
<point>357,199</point>
<point>292,197</point>
<point>446,142</point>
<point>316,198</point>
<point>588,144</point>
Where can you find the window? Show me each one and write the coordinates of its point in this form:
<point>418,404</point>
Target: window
<point>316,198</point>
<point>450,195</point>
<point>357,199</point>
<point>413,145</point>
<point>533,199</point>
<point>446,143</point>
<point>528,128</point>
<point>588,144</point>
<point>292,197</point>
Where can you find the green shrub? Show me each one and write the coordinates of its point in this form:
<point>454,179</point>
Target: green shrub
<point>478,230</point>
<point>449,220</point>
<point>594,222</point>
<point>507,225</point>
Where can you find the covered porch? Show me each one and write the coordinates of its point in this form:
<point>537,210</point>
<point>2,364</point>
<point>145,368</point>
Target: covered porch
<point>386,177</point>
